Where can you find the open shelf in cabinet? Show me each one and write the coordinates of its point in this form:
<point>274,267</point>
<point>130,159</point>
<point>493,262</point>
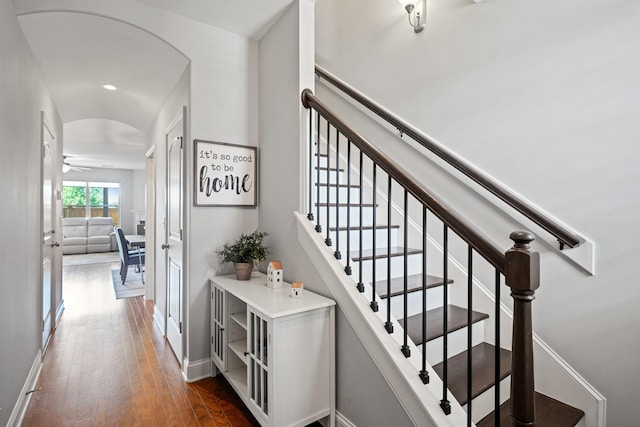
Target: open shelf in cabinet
<point>238,380</point>
<point>240,319</point>
<point>239,348</point>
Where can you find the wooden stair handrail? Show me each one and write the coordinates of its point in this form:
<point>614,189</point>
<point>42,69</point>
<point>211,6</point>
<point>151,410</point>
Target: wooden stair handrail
<point>470,235</point>
<point>563,234</point>
<point>519,265</point>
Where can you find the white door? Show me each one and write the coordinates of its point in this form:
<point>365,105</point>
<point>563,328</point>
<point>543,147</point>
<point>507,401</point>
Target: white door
<point>173,238</point>
<point>49,240</point>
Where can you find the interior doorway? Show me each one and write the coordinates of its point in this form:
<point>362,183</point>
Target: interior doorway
<point>173,245</point>
<point>50,239</point>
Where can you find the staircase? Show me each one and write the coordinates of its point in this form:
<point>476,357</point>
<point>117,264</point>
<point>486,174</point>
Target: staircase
<point>378,254</point>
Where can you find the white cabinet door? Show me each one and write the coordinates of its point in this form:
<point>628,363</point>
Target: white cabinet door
<point>259,349</point>
<point>218,324</point>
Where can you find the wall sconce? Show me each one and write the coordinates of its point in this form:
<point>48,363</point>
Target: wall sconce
<point>417,18</point>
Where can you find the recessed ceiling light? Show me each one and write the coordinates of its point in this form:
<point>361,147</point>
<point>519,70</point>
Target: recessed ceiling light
<point>109,87</point>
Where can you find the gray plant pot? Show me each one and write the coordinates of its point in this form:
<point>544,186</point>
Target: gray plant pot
<point>243,270</point>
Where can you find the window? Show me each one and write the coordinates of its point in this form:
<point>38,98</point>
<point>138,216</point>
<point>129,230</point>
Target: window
<point>91,199</point>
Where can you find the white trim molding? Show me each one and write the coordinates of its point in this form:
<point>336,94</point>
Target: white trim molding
<point>557,379</point>
<point>158,318</point>
<point>341,421</point>
<point>196,370</point>
<point>17,415</point>
<point>59,312</point>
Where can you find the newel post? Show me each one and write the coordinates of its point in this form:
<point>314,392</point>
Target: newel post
<point>522,273</point>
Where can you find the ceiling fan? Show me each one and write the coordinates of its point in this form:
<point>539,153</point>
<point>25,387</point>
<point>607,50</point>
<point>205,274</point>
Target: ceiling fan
<point>66,167</point>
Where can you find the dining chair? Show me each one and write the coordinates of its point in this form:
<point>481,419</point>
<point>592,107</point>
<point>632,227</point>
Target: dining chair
<point>128,256</point>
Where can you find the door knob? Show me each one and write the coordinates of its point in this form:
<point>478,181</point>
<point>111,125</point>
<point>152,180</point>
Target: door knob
<point>165,246</point>
<point>56,244</point>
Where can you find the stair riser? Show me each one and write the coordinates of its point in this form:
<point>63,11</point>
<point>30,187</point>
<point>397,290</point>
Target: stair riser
<point>484,404</point>
<point>367,239</point>
<point>332,161</point>
<point>342,191</point>
<point>330,174</point>
<point>354,211</point>
<point>414,266</point>
<point>414,302</point>
<point>456,343</point>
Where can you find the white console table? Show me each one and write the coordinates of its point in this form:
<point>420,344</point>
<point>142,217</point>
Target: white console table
<point>276,351</point>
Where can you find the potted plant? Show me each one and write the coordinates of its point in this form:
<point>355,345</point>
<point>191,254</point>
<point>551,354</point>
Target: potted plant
<point>246,251</point>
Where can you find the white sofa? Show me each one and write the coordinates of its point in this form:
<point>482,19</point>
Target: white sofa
<point>87,235</point>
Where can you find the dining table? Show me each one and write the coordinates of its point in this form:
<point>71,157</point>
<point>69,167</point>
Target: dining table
<point>137,241</point>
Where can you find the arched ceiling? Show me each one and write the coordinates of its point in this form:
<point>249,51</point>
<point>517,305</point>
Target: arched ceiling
<point>104,143</point>
<point>78,53</point>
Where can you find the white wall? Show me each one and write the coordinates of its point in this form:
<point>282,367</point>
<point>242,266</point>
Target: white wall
<point>124,177</point>
<point>23,95</point>
<point>543,96</point>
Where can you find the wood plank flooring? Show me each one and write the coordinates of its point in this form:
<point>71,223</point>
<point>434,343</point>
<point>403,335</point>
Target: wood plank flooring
<point>108,365</point>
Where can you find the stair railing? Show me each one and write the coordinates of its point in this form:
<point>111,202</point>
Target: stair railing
<point>519,265</point>
<point>564,235</point>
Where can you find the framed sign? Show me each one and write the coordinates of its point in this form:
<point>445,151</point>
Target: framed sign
<point>225,174</point>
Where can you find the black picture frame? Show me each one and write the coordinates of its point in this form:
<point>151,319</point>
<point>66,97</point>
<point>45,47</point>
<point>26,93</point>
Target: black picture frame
<point>225,174</point>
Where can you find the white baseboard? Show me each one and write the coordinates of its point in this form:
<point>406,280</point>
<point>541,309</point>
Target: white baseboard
<point>557,379</point>
<point>17,415</point>
<point>341,421</point>
<point>196,370</point>
<point>59,312</point>
<point>158,317</point>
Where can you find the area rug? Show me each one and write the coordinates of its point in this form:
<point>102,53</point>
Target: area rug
<point>93,258</point>
<point>133,287</point>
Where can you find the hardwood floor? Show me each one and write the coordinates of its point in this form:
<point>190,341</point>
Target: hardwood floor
<point>108,365</point>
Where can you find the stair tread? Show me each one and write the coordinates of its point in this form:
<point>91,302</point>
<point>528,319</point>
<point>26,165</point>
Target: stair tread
<point>456,319</point>
<point>367,254</point>
<point>482,366</point>
<point>326,184</point>
<point>346,205</point>
<point>364,227</point>
<point>549,412</point>
<point>414,283</point>
<point>324,168</point>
